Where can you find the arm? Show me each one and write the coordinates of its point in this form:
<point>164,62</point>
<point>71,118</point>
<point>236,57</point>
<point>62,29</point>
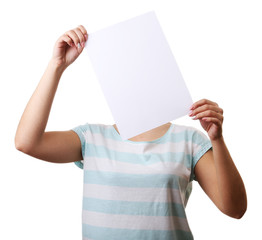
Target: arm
<point>31,138</point>
<point>216,171</point>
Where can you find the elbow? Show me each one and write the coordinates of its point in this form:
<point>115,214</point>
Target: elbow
<point>237,213</point>
<point>240,213</point>
<point>22,145</point>
<point>242,207</point>
<point>236,205</point>
<point>19,146</point>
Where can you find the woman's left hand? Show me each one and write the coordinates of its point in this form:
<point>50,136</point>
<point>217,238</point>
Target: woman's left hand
<point>210,116</point>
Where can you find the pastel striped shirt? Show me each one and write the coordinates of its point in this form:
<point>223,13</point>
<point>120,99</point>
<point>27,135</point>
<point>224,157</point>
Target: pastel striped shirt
<point>138,190</point>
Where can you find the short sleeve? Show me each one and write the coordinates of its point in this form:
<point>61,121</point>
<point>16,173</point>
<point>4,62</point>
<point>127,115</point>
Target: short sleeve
<point>80,131</point>
<point>200,145</point>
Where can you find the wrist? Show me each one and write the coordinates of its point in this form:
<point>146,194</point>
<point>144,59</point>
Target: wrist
<point>218,140</point>
<point>56,67</point>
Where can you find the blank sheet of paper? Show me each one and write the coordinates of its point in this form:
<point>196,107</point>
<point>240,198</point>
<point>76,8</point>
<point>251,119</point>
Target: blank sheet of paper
<point>138,75</point>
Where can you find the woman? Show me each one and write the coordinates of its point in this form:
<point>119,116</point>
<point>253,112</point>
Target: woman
<point>136,188</point>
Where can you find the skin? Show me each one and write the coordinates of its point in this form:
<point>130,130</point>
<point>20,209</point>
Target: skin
<point>149,135</point>
<point>215,171</point>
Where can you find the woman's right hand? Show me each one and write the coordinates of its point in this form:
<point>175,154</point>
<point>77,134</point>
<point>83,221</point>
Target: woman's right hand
<point>69,46</point>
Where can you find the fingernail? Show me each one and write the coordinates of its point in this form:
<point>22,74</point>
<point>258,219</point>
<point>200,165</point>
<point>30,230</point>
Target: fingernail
<point>78,45</point>
<point>83,44</point>
<point>190,113</point>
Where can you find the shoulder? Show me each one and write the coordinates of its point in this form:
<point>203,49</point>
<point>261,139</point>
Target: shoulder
<point>196,140</point>
<point>91,135</point>
<point>93,127</point>
<point>188,132</point>
<point>93,132</point>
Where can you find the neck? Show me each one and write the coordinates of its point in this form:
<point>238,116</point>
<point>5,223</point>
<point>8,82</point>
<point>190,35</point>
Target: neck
<point>150,135</point>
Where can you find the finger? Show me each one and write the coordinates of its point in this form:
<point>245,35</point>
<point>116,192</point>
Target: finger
<point>205,107</point>
<point>80,36</point>
<point>202,102</point>
<point>67,39</point>
<point>209,113</point>
<point>83,30</point>
<point>73,36</point>
<point>213,120</point>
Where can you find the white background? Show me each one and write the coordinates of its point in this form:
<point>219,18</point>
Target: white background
<point>217,45</point>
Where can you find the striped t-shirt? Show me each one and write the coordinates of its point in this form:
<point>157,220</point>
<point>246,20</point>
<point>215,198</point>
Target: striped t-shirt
<point>138,190</point>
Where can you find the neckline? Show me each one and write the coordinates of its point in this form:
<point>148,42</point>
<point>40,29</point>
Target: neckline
<point>160,139</point>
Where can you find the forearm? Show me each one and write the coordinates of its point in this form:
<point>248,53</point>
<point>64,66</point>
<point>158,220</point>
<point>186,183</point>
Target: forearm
<point>34,119</point>
<point>230,184</point>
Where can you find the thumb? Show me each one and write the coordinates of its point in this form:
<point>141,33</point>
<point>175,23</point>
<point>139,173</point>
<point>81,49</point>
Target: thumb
<point>80,47</point>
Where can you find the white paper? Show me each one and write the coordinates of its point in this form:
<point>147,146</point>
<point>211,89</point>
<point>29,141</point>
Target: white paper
<point>138,75</point>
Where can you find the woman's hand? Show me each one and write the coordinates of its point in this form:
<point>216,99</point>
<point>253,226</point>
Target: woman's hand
<point>210,116</point>
<point>69,46</point>
<point>216,172</point>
